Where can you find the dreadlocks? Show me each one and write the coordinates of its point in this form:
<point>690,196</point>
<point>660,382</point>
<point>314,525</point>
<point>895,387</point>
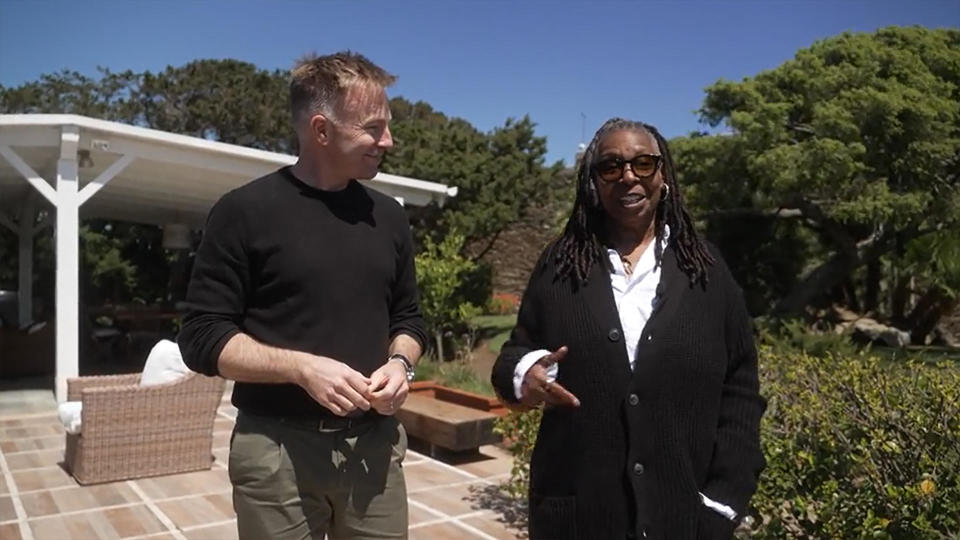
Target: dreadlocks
<point>582,243</point>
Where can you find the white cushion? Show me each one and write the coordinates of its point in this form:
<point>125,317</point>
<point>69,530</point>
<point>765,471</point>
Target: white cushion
<point>69,412</point>
<point>164,364</point>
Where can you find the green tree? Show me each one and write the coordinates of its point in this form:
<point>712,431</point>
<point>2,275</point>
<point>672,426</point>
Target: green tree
<point>441,270</point>
<point>855,140</point>
<point>499,174</point>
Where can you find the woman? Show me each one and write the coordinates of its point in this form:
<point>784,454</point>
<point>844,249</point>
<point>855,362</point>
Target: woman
<point>636,338</point>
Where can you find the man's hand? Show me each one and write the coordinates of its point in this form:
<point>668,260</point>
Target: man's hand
<point>537,389</point>
<point>334,385</point>
<point>388,387</point>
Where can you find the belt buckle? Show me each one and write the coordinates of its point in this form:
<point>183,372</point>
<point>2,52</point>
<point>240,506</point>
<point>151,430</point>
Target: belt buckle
<point>323,425</point>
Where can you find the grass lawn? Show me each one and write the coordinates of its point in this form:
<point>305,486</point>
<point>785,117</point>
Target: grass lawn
<point>495,329</point>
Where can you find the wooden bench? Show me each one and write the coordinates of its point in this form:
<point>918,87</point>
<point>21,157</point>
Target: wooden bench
<point>447,425</point>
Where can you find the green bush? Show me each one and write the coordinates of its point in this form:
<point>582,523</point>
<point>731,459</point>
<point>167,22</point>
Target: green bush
<point>856,447</point>
<point>456,374</point>
<point>441,272</point>
<point>519,431</point>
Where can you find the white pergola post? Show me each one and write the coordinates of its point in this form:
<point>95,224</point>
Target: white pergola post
<point>68,261</point>
<point>28,217</point>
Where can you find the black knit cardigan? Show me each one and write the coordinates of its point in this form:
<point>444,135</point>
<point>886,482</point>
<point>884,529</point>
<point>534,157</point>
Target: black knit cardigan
<point>632,460</point>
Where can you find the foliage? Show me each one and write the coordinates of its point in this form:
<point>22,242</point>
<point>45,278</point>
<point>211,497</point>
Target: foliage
<point>503,304</point>
<point>794,336</point>
<point>498,174</point>
<point>440,272</point>
<point>519,431</point>
<point>457,374</point>
<point>858,448</point>
<point>837,159</point>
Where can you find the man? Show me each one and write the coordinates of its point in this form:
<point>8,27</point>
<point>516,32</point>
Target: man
<point>303,292</point>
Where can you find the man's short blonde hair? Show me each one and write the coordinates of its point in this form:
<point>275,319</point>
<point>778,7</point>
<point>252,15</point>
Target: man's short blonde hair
<point>318,82</point>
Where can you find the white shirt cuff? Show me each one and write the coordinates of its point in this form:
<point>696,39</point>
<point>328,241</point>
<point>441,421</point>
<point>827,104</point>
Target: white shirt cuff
<point>524,365</point>
<point>720,508</point>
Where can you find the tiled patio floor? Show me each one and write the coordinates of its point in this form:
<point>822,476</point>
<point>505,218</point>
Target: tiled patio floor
<point>448,500</point>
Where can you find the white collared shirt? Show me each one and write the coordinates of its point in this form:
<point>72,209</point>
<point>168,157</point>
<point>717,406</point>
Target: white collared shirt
<point>635,295</point>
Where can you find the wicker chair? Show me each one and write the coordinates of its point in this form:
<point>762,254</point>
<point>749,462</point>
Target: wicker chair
<point>131,431</point>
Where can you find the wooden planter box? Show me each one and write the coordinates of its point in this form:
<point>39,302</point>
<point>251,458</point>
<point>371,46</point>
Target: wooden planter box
<point>460,397</point>
<point>450,419</point>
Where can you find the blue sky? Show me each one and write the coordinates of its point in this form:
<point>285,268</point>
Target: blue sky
<point>480,60</point>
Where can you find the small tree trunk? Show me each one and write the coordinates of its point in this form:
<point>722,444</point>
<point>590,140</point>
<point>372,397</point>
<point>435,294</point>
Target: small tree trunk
<point>871,295</point>
<point>438,336</point>
<point>898,300</point>
<point>850,292</point>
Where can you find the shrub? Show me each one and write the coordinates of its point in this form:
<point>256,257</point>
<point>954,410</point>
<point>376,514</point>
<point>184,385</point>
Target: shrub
<point>856,447</point>
<point>519,431</point>
<point>503,304</point>
<point>441,270</point>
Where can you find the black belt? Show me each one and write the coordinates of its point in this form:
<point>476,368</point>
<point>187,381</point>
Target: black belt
<point>333,423</point>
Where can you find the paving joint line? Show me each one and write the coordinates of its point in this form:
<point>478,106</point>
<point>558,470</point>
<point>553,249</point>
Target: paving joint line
<point>26,533</point>
<point>157,512</point>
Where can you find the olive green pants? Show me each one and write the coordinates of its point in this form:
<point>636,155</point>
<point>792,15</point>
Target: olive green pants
<point>295,483</point>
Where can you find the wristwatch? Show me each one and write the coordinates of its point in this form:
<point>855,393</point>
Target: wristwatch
<point>407,364</point>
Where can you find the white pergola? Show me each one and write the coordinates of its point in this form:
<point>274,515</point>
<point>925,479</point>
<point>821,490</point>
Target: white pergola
<point>88,168</point>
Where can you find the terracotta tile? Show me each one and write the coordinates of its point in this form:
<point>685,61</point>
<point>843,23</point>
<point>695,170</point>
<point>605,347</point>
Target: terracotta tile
<point>491,461</point>
<point>452,501</point>
<point>43,503</point>
<point>197,511</point>
<point>496,528</point>
<point>440,531</point>
<point>195,483</point>
<point>38,504</point>
<point>30,420</point>
<point>223,531</point>
<point>419,515</point>
<point>37,443</point>
<point>6,509</point>
<point>113,523</point>
<point>32,460</point>
<point>34,430</point>
<point>222,455</point>
<point>10,531</point>
<point>133,521</point>
<point>221,439</point>
<point>46,478</point>
<point>429,474</point>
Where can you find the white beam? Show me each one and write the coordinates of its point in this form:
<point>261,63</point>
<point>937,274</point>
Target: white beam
<point>25,289</point>
<point>68,261</point>
<point>35,180</point>
<point>104,177</point>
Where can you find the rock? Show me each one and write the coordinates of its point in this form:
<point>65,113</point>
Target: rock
<point>875,332</point>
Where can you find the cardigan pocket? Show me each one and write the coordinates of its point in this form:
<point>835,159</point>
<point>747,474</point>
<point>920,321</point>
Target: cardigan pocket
<point>553,518</point>
<point>711,525</point>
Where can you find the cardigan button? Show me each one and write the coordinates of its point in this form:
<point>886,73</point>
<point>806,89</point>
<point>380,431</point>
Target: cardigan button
<point>614,335</point>
<point>633,399</point>
<point>638,468</point>
<point>649,337</point>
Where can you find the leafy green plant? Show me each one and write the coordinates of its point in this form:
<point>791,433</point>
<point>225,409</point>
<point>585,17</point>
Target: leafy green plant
<point>441,270</point>
<point>519,431</point>
<point>858,448</point>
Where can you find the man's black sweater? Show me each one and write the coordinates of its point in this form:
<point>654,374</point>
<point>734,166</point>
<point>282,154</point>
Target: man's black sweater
<point>325,272</point>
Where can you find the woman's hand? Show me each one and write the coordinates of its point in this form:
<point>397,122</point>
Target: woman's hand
<point>537,388</point>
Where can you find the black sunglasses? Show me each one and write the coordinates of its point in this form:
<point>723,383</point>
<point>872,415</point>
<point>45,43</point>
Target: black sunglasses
<point>612,169</point>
